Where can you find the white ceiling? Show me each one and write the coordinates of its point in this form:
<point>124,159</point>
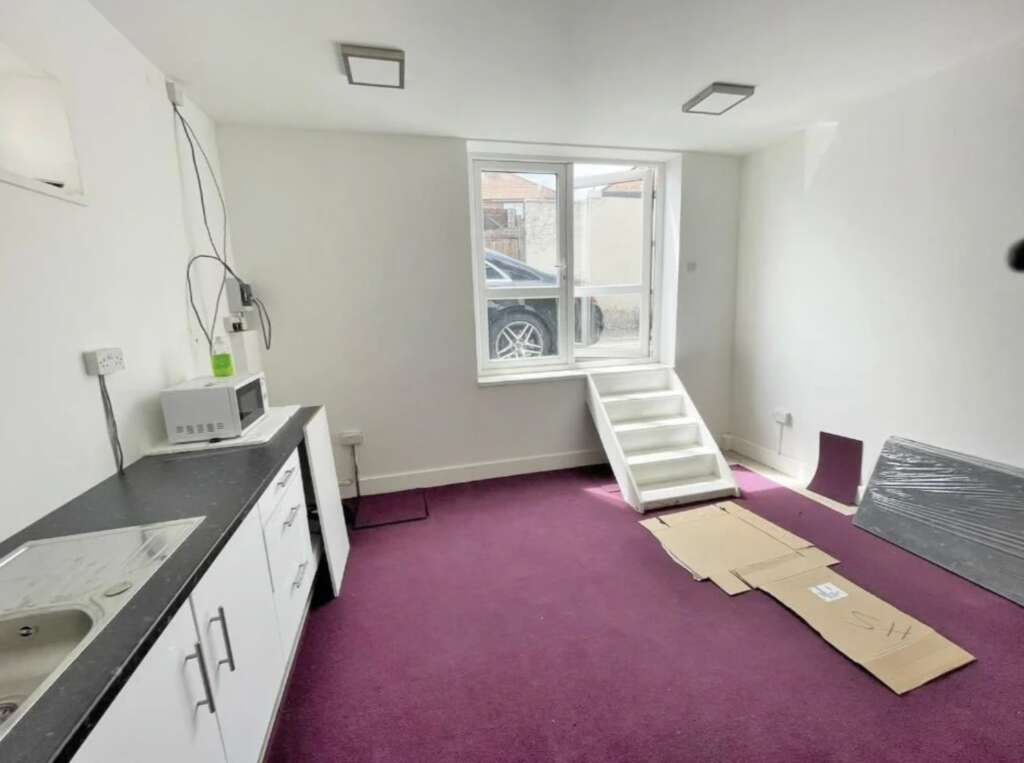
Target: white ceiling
<point>592,72</point>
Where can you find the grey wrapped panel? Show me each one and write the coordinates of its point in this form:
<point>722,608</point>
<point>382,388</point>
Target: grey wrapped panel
<point>961,512</point>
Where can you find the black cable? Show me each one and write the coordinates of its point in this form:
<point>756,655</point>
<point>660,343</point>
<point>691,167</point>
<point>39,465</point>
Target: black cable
<point>112,433</point>
<point>216,185</point>
<point>268,328</point>
<point>221,255</point>
<point>358,500</point>
<point>199,179</point>
<point>191,298</point>
<point>355,472</point>
<point>195,310</point>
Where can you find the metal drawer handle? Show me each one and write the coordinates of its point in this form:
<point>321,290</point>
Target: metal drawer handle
<point>223,620</point>
<point>301,575</point>
<point>287,476</point>
<point>198,656</point>
<point>292,514</point>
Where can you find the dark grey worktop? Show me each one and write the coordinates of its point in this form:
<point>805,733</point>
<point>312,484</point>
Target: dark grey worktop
<point>222,486</point>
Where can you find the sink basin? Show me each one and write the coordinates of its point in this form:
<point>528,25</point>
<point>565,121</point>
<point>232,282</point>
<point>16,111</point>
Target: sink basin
<point>57,594</point>
<point>32,646</point>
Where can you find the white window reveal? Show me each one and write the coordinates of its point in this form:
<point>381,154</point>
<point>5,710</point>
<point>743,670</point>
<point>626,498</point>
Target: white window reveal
<point>36,150</point>
<point>538,308</point>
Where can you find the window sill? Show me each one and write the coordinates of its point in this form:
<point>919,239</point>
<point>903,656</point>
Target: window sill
<point>529,377</point>
<point>46,189</point>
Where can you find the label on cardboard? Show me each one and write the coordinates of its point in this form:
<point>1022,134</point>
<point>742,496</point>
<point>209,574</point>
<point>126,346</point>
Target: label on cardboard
<point>901,652</point>
<point>827,591</point>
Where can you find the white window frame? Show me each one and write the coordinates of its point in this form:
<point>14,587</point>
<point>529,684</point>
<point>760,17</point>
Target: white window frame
<point>644,288</point>
<point>565,291</point>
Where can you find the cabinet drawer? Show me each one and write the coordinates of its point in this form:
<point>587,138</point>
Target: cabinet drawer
<point>290,555</point>
<point>287,476</point>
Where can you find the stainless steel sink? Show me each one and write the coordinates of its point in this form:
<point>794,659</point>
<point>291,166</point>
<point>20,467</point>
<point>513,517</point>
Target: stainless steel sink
<point>32,646</point>
<point>57,594</point>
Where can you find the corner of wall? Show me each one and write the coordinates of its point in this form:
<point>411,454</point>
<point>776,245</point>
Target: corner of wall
<point>705,315</point>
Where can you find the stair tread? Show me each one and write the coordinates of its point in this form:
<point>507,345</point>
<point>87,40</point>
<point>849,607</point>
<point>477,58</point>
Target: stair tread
<point>632,425</point>
<point>668,454</point>
<point>657,394</point>
<point>659,491</point>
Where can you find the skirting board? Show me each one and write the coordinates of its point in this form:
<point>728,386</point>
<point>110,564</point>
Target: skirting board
<point>482,470</point>
<point>767,456</point>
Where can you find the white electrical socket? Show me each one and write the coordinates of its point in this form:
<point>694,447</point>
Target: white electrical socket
<point>350,437</point>
<point>103,362</point>
<point>175,94</point>
<point>784,417</point>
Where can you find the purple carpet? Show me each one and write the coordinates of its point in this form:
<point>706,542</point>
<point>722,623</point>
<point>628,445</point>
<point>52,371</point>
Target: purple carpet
<point>531,619</point>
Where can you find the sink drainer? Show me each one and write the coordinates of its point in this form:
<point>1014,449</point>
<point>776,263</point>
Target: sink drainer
<point>7,709</point>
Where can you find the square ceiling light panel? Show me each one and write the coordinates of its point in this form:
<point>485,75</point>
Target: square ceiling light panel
<point>717,98</point>
<point>374,67</point>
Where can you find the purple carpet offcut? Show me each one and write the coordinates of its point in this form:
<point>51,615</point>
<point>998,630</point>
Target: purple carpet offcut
<point>531,618</point>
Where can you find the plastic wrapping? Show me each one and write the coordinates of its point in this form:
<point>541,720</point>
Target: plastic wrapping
<point>961,512</point>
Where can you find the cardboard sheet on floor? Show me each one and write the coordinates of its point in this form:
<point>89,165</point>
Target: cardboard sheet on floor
<point>722,540</point>
<point>740,551</point>
<point>901,652</point>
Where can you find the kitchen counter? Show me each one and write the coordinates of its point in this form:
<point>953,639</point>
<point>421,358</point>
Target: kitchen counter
<point>220,485</point>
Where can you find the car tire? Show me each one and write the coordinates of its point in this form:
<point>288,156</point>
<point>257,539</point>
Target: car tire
<point>519,333</point>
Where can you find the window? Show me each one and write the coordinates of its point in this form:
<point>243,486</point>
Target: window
<point>36,150</point>
<point>540,308</point>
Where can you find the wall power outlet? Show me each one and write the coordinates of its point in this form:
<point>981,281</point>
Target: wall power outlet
<point>784,417</point>
<point>103,362</point>
<point>350,437</point>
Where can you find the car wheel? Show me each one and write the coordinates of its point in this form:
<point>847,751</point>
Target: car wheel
<point>519,334</point>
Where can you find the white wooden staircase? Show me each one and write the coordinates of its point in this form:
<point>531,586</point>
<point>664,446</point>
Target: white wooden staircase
<point>658,446</point>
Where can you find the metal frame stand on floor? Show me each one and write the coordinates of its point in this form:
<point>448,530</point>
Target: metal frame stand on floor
<point>354,504</point>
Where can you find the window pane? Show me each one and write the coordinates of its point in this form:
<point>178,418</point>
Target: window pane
<point>520,219</point>
<point>608,236</point>
<point>520,329</point>
<point>608,326</point>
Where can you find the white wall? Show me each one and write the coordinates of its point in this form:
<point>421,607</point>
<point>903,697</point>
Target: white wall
<point>873,293</point>
<point>74,278</point>
<point>707,284</point>
<point>361,244</point>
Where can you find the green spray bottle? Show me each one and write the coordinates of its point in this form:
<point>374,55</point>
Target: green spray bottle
<point>220,359</point>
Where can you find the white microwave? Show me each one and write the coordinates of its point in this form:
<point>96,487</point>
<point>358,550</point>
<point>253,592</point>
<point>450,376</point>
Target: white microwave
<point>214,408</point>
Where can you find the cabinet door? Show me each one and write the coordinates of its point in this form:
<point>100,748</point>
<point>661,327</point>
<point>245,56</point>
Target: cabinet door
<point>157,715</point>
<point>328,499</point>
<point>234,610</point>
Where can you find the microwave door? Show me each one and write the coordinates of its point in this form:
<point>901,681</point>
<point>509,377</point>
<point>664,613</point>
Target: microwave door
<point>250,404</point>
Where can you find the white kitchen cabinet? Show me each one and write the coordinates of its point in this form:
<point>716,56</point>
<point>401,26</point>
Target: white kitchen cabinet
<point>208,689</point>
<point>290,555</point>
<point>234,611</point>
<point>285,479</point>
<point>163,714</point>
